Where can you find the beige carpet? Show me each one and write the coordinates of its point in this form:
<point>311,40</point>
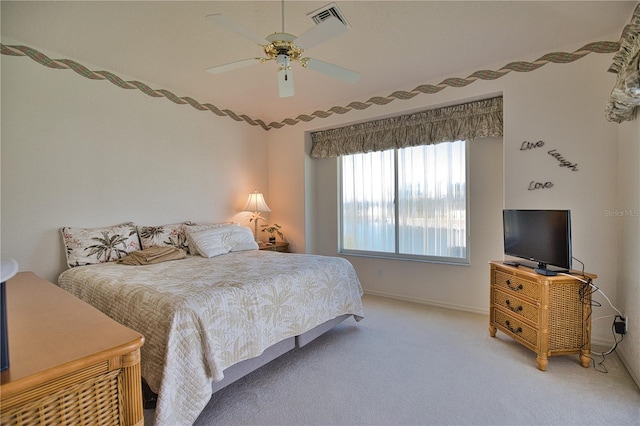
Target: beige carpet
<point>412,364</point>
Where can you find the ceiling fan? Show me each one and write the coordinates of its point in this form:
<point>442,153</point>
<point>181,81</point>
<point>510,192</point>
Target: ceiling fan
<point>286,48</point>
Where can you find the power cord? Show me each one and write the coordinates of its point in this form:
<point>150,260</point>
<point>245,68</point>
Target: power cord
<point>601,367</point>
<point>588,289</point>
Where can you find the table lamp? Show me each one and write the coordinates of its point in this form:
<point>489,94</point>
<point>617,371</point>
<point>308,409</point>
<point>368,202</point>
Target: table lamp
<point>256,205</point>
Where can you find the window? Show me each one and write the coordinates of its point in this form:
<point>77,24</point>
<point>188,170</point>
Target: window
<point>406,203</point>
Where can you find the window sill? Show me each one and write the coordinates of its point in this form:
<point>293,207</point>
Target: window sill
<point>406,258</point>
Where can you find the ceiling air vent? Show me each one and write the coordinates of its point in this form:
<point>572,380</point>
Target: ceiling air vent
<point>327,12</point>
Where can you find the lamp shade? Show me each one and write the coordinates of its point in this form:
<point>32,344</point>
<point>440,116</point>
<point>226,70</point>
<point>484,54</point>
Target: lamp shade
<point>256,203</point>
<point>8,268</point>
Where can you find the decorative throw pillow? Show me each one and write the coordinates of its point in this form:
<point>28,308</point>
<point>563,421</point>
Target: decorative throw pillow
<point>234,236</point>
<point>240,238</point>
<point>190,227</point>
<point>172,235</point>
<point>209,242</point>
<point>88,246</point>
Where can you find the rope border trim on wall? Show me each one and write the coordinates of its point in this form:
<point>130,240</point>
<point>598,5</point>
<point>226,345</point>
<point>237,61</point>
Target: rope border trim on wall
<point>518,66</point>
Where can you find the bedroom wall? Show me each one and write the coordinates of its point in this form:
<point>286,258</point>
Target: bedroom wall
<point>560,104</point>
<point>85,153</point>
<point>628,221</point>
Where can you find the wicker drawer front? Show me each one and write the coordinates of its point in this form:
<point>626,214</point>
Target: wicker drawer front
<point>516,306</point>
<point>516,327</point>
<point>94,401</point>
<point>518,285</point>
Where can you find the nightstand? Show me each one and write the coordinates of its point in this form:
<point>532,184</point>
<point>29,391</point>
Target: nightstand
<point>281,246</point>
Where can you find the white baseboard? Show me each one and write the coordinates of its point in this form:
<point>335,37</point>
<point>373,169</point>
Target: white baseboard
<point>621,354</point>
<point>429,302</point>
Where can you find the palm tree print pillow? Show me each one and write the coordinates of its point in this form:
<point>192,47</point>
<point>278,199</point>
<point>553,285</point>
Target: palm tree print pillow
<point>172,235</point>
<point>88,246</point>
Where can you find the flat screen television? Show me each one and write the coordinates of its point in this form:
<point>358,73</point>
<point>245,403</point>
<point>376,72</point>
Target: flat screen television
<point>540,236</point>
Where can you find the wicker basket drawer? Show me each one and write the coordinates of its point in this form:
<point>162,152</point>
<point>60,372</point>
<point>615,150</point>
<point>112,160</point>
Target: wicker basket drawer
<point>516,327</point>
<point>516,306</point>
<point>518,285</point>
<point>96,399</point>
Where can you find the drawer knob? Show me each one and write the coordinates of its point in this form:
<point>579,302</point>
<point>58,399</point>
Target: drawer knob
<point>518,288</point>
<point>511,308</point>
<point>513,330</point>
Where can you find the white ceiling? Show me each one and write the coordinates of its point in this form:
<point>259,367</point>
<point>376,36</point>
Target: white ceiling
<point>393,44</point>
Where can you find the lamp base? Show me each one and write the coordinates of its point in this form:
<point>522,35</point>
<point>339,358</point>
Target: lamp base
<point>255,229</point>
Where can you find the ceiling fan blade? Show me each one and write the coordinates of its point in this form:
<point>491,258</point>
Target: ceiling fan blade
<point>237,28</point>
<point>331,70</point>
<point>285,83</point>
<point>232,66</point>
<point>329,28</point>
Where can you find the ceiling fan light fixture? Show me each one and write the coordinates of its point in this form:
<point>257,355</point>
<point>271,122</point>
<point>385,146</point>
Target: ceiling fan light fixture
<point>283,61</point>
<point>285,48</point>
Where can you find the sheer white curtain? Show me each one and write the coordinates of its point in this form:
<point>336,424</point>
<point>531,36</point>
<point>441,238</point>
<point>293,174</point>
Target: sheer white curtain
<point>432,200</point>
<point>429,184</point>
<point>368,210</point>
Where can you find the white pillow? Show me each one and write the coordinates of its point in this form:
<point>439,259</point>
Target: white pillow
<point>192,227</point>
<point>235,237</point>
<point>239,238</point>
<point>209,243</point>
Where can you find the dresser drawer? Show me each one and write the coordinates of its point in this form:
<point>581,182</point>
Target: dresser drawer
<point>516,306</point>
<point>516,327</point>
<point>83,396</point>
<point>517,285</point>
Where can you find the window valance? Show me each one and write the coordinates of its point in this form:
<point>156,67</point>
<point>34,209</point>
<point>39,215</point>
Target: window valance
<point>459,122</point>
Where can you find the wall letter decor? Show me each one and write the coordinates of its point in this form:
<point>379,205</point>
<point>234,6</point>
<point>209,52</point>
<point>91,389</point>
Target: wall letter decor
<point>533,185</point>
<point>563,163</point>
<point>531,145</point>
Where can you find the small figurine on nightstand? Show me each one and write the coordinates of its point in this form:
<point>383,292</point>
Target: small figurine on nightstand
<point>273,230</point>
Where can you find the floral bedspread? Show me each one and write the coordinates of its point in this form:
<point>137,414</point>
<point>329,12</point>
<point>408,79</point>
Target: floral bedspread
<point>200,316</point>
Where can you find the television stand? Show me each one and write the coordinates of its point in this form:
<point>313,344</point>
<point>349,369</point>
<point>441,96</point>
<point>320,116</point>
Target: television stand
<point>551,315</point>
<point>545,272</point>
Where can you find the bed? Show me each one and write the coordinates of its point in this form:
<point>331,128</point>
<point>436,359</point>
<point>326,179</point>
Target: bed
<point>207,321</point>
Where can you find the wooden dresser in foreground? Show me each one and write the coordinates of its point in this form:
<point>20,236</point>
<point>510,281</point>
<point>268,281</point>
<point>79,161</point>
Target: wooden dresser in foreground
<point>68,362</point>
<point>551,315</point>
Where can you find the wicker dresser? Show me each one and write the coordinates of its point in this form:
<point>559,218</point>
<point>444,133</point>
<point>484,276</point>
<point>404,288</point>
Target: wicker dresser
<point>551,315</point>
<point>68,362</point>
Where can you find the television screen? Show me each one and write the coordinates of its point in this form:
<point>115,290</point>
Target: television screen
<point>542,236</point>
